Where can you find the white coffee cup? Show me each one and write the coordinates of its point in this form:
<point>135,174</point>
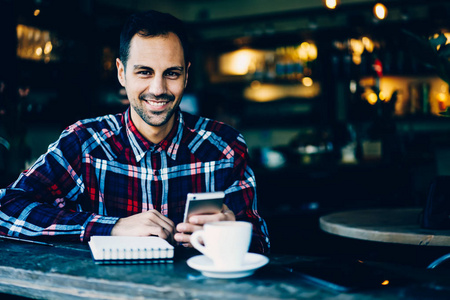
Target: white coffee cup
<point>225,243</point>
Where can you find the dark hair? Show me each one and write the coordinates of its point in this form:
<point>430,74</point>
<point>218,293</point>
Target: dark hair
<point>149,24</point>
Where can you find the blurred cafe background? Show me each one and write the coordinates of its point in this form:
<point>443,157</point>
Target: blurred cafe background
<point>340,101</point>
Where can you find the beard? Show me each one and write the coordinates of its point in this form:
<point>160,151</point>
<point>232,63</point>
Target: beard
<point>155,118</point>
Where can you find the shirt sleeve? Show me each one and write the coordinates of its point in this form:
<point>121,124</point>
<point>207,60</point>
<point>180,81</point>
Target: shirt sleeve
<point>42,203</point>
<point>242,200</point>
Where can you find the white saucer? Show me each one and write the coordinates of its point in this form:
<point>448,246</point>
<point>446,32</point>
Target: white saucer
<point>252,262</point>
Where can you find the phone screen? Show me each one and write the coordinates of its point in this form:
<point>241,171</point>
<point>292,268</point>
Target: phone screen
<point>347,275</point>
<point>203,203</point>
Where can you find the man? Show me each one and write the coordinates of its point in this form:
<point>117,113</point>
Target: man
<point>129,174</point>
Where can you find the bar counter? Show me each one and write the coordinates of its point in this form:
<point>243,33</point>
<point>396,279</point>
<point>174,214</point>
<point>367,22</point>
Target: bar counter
<point>67,271</point>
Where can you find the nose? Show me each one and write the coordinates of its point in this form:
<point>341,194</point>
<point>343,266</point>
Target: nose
<point>157,86</point>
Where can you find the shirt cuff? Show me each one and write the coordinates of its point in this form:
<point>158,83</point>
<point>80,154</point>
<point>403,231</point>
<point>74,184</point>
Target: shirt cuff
<point>98,225</point>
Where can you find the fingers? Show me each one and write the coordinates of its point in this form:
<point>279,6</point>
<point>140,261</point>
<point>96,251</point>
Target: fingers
<point>183,238</point>
<point>145,224</point>
<point>159,219</point>
<point>159,225</point>
<point>225,215</point>
<point>154,223</point>
<point>188,227</point>
<point>184,231</point>
<point>196,222</point>
<point>228,213</point>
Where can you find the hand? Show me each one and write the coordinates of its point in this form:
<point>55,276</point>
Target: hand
<point>146,223</point>
<point>196,223</point>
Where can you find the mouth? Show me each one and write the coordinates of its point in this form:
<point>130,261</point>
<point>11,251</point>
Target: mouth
<point>157,105</point>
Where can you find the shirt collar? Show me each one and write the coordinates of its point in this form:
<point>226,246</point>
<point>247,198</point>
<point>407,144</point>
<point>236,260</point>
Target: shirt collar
<point>140,145</point>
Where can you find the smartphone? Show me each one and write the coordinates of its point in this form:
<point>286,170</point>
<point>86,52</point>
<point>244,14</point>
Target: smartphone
<point>203,203</point>
<point>347,275</point>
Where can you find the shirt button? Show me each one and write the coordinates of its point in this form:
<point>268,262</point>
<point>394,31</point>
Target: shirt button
<point>156,172</point>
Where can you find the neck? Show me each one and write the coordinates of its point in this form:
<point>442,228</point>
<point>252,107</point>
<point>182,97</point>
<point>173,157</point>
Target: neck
<point>157,134</point>
<point>153,134</point>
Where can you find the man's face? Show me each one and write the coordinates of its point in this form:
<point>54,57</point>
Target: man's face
<point>155,78</point>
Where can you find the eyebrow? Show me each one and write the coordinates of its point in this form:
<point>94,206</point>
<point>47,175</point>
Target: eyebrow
<point>174,68</point>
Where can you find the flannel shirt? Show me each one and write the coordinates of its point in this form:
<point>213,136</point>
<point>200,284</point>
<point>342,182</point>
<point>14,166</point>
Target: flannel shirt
<point>102,169</point>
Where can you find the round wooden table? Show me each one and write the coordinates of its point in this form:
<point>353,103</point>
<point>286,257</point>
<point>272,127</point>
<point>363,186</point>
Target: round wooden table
<point>384,225</point>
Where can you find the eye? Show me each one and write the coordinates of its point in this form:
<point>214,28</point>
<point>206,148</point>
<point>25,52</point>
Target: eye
<point>173,74</point>
<point>144,73</point>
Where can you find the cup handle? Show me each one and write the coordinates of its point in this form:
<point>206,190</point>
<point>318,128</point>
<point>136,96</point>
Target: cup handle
<point>195,243</point>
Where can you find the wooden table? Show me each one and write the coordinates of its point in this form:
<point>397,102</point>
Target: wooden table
<point>67,271</point>
<point>384,225</point>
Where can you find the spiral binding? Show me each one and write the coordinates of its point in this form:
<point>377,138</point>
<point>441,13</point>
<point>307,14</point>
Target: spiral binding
<point>124,256</point>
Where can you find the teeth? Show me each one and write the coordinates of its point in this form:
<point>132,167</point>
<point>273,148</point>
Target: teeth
<point>154,103</point>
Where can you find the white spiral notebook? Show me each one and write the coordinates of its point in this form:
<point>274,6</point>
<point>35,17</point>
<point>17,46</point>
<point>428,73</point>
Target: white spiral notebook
<point>130,250</point>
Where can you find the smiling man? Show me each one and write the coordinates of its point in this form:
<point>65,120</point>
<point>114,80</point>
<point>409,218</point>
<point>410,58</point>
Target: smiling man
<point>154,80</point>
<point>130,173</point>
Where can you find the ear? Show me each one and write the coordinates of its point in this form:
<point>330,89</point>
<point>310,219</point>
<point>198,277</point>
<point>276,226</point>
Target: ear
<point>187,75</point>
<point>120,72</point>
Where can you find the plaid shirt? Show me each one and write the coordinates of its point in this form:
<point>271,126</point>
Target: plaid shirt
<point>103,169</point>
